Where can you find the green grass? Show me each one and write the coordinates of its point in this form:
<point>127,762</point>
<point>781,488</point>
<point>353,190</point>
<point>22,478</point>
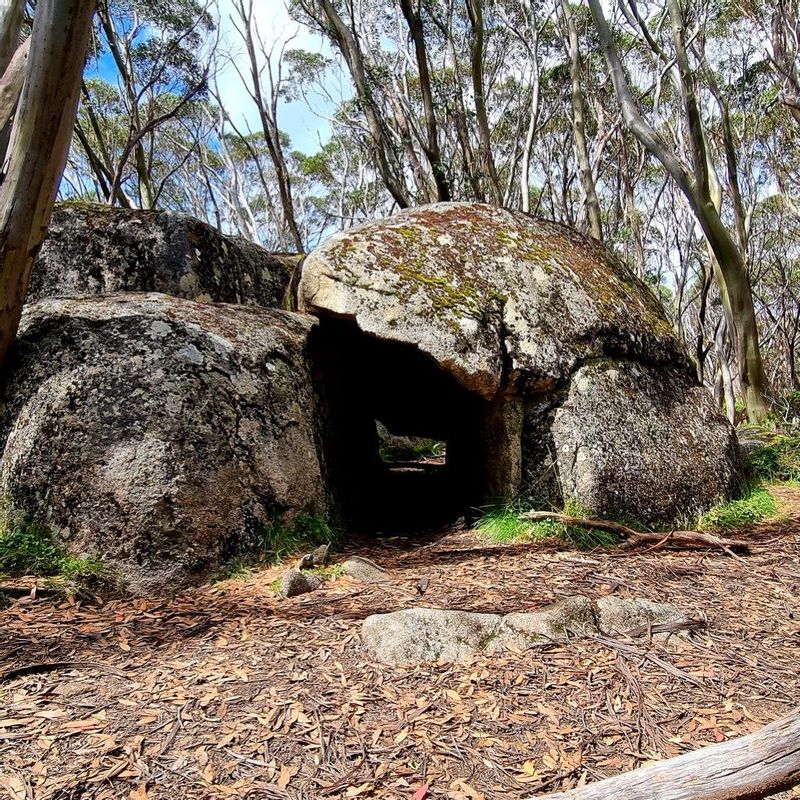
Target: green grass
<point>29,548</point>
<point>775,461</point>
<point>505,524</point>
<point>416,450</point>
<point>757,504</point>
<point>276,542</point>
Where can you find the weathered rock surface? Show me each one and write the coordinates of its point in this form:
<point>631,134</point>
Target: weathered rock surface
<point>427,634</point>
<point>492,295</point>
<point>622,615</point>
<point>158,433</point>
<point>93,250</point>
<point>295,582</point>
<point>431,634</point>
<point>362,569</point>
<point>630,437</point>
<point>573,384</point>
<point>571,616</point>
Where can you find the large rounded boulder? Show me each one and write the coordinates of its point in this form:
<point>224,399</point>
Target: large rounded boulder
<point>547,366</point>
<point>160,434</point>
<point>96,249</point>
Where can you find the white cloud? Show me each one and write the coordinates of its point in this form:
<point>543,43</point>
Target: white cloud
<point>275,27</point>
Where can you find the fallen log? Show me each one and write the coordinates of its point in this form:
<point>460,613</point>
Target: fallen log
<point>748,768</point>
<point>634,537</point>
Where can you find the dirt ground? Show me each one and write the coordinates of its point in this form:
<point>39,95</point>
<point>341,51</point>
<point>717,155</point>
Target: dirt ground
<point>228,691</point>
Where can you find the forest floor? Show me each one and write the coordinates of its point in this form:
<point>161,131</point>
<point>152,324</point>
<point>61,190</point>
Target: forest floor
<point>229,691</point>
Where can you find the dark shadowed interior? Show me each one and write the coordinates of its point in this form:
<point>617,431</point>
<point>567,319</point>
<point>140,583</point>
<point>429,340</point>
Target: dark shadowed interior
<point>367,380</point>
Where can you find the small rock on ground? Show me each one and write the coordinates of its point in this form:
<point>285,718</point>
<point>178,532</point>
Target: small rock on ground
<point>621,615</point>
<point>430,634</point>
<point>316,558</point>
<point>363,569</point>
<point>427,634</point>
<point>295,582</point>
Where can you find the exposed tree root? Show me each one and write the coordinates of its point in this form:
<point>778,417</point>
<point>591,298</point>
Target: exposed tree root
<point>635,538</point>
<point>748,768</point>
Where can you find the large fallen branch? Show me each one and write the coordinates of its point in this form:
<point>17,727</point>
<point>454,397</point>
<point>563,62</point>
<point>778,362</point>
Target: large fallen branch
<point>633,537</point>
<point>748,768</point>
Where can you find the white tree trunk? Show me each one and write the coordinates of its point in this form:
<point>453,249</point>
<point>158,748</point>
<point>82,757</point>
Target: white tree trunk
<point>748,768</point>
<point>37,153</point>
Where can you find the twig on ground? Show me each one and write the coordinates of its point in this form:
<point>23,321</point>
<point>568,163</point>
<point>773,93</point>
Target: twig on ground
<point>50,666</point>
<point>634,537</point>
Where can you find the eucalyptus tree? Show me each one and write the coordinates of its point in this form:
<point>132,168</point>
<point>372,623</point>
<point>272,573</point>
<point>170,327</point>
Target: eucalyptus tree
<point>40,93</point>
<point>157,50</point>
<point>697,179</point>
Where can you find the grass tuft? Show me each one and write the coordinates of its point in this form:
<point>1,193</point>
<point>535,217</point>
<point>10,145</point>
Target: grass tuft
<point>505,524</point>
<point>277,541</point>
<point>775,461</point>
<point>757,505</point>
<point>29,548</point>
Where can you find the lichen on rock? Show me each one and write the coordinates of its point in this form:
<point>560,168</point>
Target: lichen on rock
<point>95,249</point>
<point>162,434</point>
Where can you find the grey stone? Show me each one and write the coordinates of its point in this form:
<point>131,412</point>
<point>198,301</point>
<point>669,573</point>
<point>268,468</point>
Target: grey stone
<point>415,635</point>
<point>93,250</point>
<point>295,582</point>
<point>571,378</point>
<point>317,558</point>
<point>492,295</point>
<point>427,634</point>
<point>362,569</point>
<point>621,615</point>
<point>632,440</point>
<point>572,616</point>
<point>163,465</point>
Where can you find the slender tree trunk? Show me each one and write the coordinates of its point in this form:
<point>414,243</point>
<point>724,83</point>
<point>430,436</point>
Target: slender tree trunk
<point>348,46</point>
<point>431,146</point>
<point>732,275</point>
<point>39,146</point>
<point>579,125</point>
<point>475,13</point>
<point>269,126</point>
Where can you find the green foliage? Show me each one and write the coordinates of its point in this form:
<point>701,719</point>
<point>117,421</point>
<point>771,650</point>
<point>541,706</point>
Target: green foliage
<point>329,573</point>
<point>506,524</point>
<point>29,548</point>
<point>413,450</point>
<point>775,461</point>
<point>280,539</point>
<point>757,505</point>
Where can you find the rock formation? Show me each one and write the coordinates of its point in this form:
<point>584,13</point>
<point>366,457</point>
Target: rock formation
<point>99,250</point>
<point>161,434</point>
<point>548,368</point>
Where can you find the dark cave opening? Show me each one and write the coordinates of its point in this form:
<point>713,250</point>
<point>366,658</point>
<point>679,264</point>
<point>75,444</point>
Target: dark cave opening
<point>384,397</point>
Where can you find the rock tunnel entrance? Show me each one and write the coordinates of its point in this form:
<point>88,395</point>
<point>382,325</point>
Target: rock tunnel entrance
<point>409,449</point>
